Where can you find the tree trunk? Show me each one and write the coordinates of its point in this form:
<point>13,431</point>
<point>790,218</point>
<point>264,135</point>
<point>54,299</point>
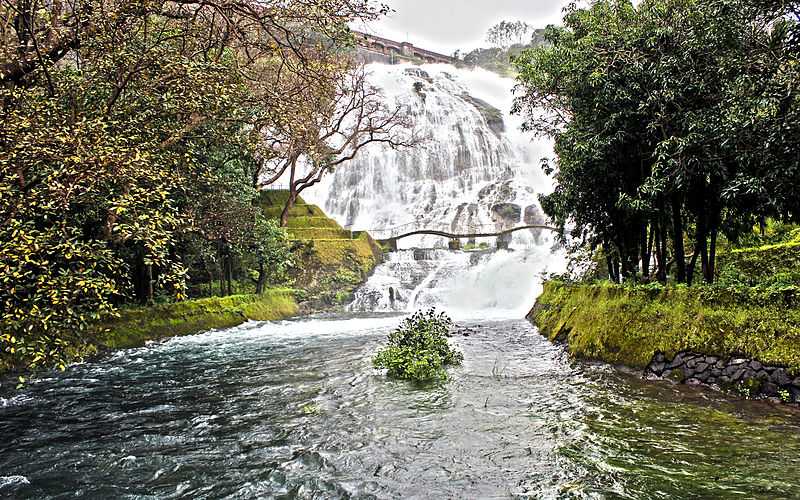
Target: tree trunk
<point>262,278</point>
<point>286,208</point>
<point>647,247</point>
<point>149,283</point>
<point>677,229</point>
<point>229,271</point>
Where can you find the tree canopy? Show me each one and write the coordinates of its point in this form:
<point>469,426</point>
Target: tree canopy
<point>674,121</point>
<point>132,137</point>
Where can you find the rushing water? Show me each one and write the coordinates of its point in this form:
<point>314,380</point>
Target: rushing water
<point>294,410</point>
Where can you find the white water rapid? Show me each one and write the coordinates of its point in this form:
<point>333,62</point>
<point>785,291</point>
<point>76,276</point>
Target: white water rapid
<point>476,172</point>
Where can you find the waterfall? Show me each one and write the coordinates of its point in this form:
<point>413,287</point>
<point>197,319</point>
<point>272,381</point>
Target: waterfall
<point>476,172</point>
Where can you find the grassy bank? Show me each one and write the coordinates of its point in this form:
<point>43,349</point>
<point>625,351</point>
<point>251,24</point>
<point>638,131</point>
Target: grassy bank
<point>630,325</point>
<point>134,327</point>
<point>753,311</point>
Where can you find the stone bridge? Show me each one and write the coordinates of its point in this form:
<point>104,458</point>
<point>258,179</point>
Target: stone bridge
<point>377,49</point>
<point>389,237</point>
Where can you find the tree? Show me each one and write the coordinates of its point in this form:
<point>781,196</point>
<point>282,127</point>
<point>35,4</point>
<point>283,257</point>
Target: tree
<point>120,122</point>
<point>653,110</point>
<point>331,131</point>
<point>508,33</point>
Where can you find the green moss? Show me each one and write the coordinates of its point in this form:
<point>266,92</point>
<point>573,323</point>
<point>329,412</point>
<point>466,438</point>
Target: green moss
<point>134,327</point>
<point>296,211</point>
<point>276,198</point>
<point>630,325</point>
<point>331,262</point>
<point>313,222</point>
<point>319,233</point>
<point>363,250</point>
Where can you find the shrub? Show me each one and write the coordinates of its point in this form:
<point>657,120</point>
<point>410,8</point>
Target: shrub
<point>418,350</point>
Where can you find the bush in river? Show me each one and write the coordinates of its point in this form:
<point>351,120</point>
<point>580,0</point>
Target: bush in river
<point>418,350</point>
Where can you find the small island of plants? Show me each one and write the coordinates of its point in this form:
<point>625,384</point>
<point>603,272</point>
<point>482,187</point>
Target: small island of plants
<point>419,349</point>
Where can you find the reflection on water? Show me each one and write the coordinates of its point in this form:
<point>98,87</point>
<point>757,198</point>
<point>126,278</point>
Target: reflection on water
<point>294,410</point>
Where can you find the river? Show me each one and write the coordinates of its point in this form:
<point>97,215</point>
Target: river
<point>294,410</point>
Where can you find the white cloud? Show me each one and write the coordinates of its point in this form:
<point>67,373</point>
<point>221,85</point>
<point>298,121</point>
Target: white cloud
<point>447,25</point>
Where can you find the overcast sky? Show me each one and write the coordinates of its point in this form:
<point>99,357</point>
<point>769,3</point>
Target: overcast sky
<point>448,25</point>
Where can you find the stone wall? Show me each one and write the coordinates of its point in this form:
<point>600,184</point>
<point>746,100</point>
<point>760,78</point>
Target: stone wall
<point>747,377</point>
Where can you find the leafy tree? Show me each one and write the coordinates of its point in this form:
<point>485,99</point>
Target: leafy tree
<point>653,109</point>
<point>127,131</point>
<point>507,33</point>
<point>330,130</point>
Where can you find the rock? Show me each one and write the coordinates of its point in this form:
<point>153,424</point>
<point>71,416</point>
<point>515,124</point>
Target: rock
<point>676,361</point>
<point>794,394</point>
<point>693,381</point>
<point>710,360</point>
<point>675,375</point>
<point>780,377</point>
<point>720,364</point>
<point>738,374</point>
<point>701,367</point>
<point>534,215</point>
<point>756,366</point>
<point>703,376</point>
<point>659,357</point>
<point>796,381</point>
<point>738,361</point>
<point>507,214</point>
<point>657,367</point>
<point>769,388</point>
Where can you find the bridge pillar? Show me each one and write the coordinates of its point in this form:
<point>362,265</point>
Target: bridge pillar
<point>389,245</point>
<point>503,241</point>
<point>454,244</point>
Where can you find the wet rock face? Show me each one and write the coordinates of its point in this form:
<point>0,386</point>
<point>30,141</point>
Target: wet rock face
<point>492,115</point>
<point>506,214</point>
<point>534,215</point>
<point>747,377</point>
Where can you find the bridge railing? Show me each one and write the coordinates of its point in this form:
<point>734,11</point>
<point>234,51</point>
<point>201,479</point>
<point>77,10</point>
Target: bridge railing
<point>394,232</point>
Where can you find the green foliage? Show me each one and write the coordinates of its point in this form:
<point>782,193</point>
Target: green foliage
<point>674,121</point>
<point>131,137</point>
<point>629,325</point>
<point>135,326</point>
<point>419,350</point>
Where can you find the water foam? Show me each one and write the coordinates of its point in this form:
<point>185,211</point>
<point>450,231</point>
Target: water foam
<point>477,173</point>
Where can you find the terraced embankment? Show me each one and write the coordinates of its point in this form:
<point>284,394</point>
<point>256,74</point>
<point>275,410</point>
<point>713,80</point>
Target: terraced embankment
<point>331,261</point>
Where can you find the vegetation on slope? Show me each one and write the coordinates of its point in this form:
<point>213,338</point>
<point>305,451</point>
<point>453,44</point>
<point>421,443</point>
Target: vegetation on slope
<point>675,122</point>
<point>753,311</point>
<point>134,138</point>
<point>330,261</point>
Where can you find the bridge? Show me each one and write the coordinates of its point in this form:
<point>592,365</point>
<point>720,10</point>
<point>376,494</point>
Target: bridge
<point>390,237</point>
<point>379,49</point>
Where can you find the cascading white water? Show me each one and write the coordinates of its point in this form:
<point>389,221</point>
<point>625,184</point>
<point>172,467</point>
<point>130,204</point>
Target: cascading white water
<point>476,172</point>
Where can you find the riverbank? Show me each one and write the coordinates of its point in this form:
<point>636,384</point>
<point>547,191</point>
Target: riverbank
<point>689,335</point>
<point>330,263</point>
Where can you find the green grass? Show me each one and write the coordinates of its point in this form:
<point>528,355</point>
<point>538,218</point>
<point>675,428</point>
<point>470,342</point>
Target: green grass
<point>313,222</point>
<point>628,326</point>
<point>325,252</point>
<point>319,233</point>
<point>134,327</point>
<point>295,211</point>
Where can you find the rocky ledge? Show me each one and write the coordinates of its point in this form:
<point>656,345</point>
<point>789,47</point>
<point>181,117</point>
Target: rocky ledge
<point>747,377</point>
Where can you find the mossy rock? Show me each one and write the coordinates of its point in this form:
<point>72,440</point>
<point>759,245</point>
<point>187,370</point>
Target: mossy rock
<point>312,222</point>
